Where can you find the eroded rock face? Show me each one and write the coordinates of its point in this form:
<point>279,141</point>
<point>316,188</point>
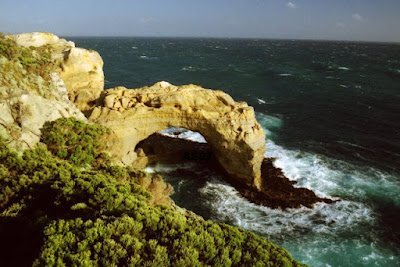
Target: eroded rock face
<point>80,69</point>
<point>230,127</point>
<point>23,113</point>
<point>29,98</point>
<point>82,72</point>
<point>37,39</point>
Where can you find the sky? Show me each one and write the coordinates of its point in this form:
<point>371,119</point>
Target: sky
<point>357,20</point>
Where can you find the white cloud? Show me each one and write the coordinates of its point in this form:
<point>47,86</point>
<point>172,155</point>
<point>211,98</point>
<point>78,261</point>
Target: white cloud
<point>340,25</point>
<point>39,21</point>
<point>291,5</point>
<point>147,20</point>
<point>357,17</point>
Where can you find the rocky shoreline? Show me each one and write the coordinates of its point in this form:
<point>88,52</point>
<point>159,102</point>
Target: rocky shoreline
<point>277,191</point>
<point>56,79</point>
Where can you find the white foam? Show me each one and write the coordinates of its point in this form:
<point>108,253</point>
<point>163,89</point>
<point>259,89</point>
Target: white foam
<point>183,134</point>
<point>190,68</point>
<point>167,168</point>
<point>269,123</point>
<point>261,101</point>
<point>343,68</point>
<point>309,231</point>
<point>317,234</point>
<point>309,172</point>
<point>322,219</point>
<point>285,74</point>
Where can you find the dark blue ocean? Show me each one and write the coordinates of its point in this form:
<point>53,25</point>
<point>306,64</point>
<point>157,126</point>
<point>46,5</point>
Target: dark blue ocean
<point>331,111</point>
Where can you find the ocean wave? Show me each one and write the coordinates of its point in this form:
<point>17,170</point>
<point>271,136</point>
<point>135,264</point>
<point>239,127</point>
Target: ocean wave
<point>193,69</point>
<point>325,234</point>
<point>269,123</point>
<point>228,206</point>
<point>183,133</point>
<point>167,168</point>
<point>261,101</point>
<point>148,58</point>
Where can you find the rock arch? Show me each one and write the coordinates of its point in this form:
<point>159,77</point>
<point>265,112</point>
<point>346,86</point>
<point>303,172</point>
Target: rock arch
<point>230,127</point>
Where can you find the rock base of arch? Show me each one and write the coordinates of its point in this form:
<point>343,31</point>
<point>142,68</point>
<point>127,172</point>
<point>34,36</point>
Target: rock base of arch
<point>277,191</point>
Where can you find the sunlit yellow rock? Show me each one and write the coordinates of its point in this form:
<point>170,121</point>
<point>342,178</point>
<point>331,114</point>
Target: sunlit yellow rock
<point>230,127</point>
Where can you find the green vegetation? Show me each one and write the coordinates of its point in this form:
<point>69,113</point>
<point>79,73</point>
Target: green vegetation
<point>34,59</point>
<point>74,140</point>
<point>16,62</point>
<point>56,213</point>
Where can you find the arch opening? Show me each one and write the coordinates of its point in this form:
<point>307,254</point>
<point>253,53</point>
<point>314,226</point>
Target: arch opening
<point>175,145</point>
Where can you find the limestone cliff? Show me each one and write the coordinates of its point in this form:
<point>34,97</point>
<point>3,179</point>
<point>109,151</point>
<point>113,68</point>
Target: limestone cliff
<point>40,73</point>
<point>31,91</point>
<point>230,127</point>
<point>80,69</point>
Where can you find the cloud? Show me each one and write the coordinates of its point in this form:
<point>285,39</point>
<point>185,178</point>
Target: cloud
<point>147,20</point>
<point>38,21</point>
<point>357,17</point>
<point>291,5</point>
<point>340,25</point>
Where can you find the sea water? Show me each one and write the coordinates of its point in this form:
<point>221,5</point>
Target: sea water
<point>331,113</point>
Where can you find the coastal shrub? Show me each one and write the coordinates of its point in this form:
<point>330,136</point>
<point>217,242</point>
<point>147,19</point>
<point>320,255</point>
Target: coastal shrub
<point>26,67</point>
<point>36,60</point>
<point>74,140</point>
<point>57,213</point>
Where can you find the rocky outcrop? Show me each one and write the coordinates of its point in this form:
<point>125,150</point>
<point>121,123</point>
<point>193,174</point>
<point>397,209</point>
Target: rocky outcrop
<point>237,140</point>
<point>38,39</point>
<point>31,90</point>
<point>23,113</point>
<point>277,191</point>
<point>80,69</point>
<point>82,72</point>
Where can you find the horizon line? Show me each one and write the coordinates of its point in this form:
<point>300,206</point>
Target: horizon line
<point>239,38</point>
<point>214,37</point>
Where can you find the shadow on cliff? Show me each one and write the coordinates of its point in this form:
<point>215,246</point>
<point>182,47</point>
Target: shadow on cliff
<point>277,190</point>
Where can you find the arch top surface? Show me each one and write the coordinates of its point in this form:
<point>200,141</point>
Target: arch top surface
<point>230,127</point>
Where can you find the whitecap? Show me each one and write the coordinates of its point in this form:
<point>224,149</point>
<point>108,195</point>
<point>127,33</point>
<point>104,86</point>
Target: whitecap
<point>285,74</point>
<point>167,168</point>
<point>134,47</point>
<point>313,235</point>
<point>183,134</point>
<point>188,68</point>
<point>343,68</point>
<point>261,101</point>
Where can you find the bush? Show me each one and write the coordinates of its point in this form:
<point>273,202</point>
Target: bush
<point>35,59</point>
<point>73,140</point>
<point>58,214</point>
